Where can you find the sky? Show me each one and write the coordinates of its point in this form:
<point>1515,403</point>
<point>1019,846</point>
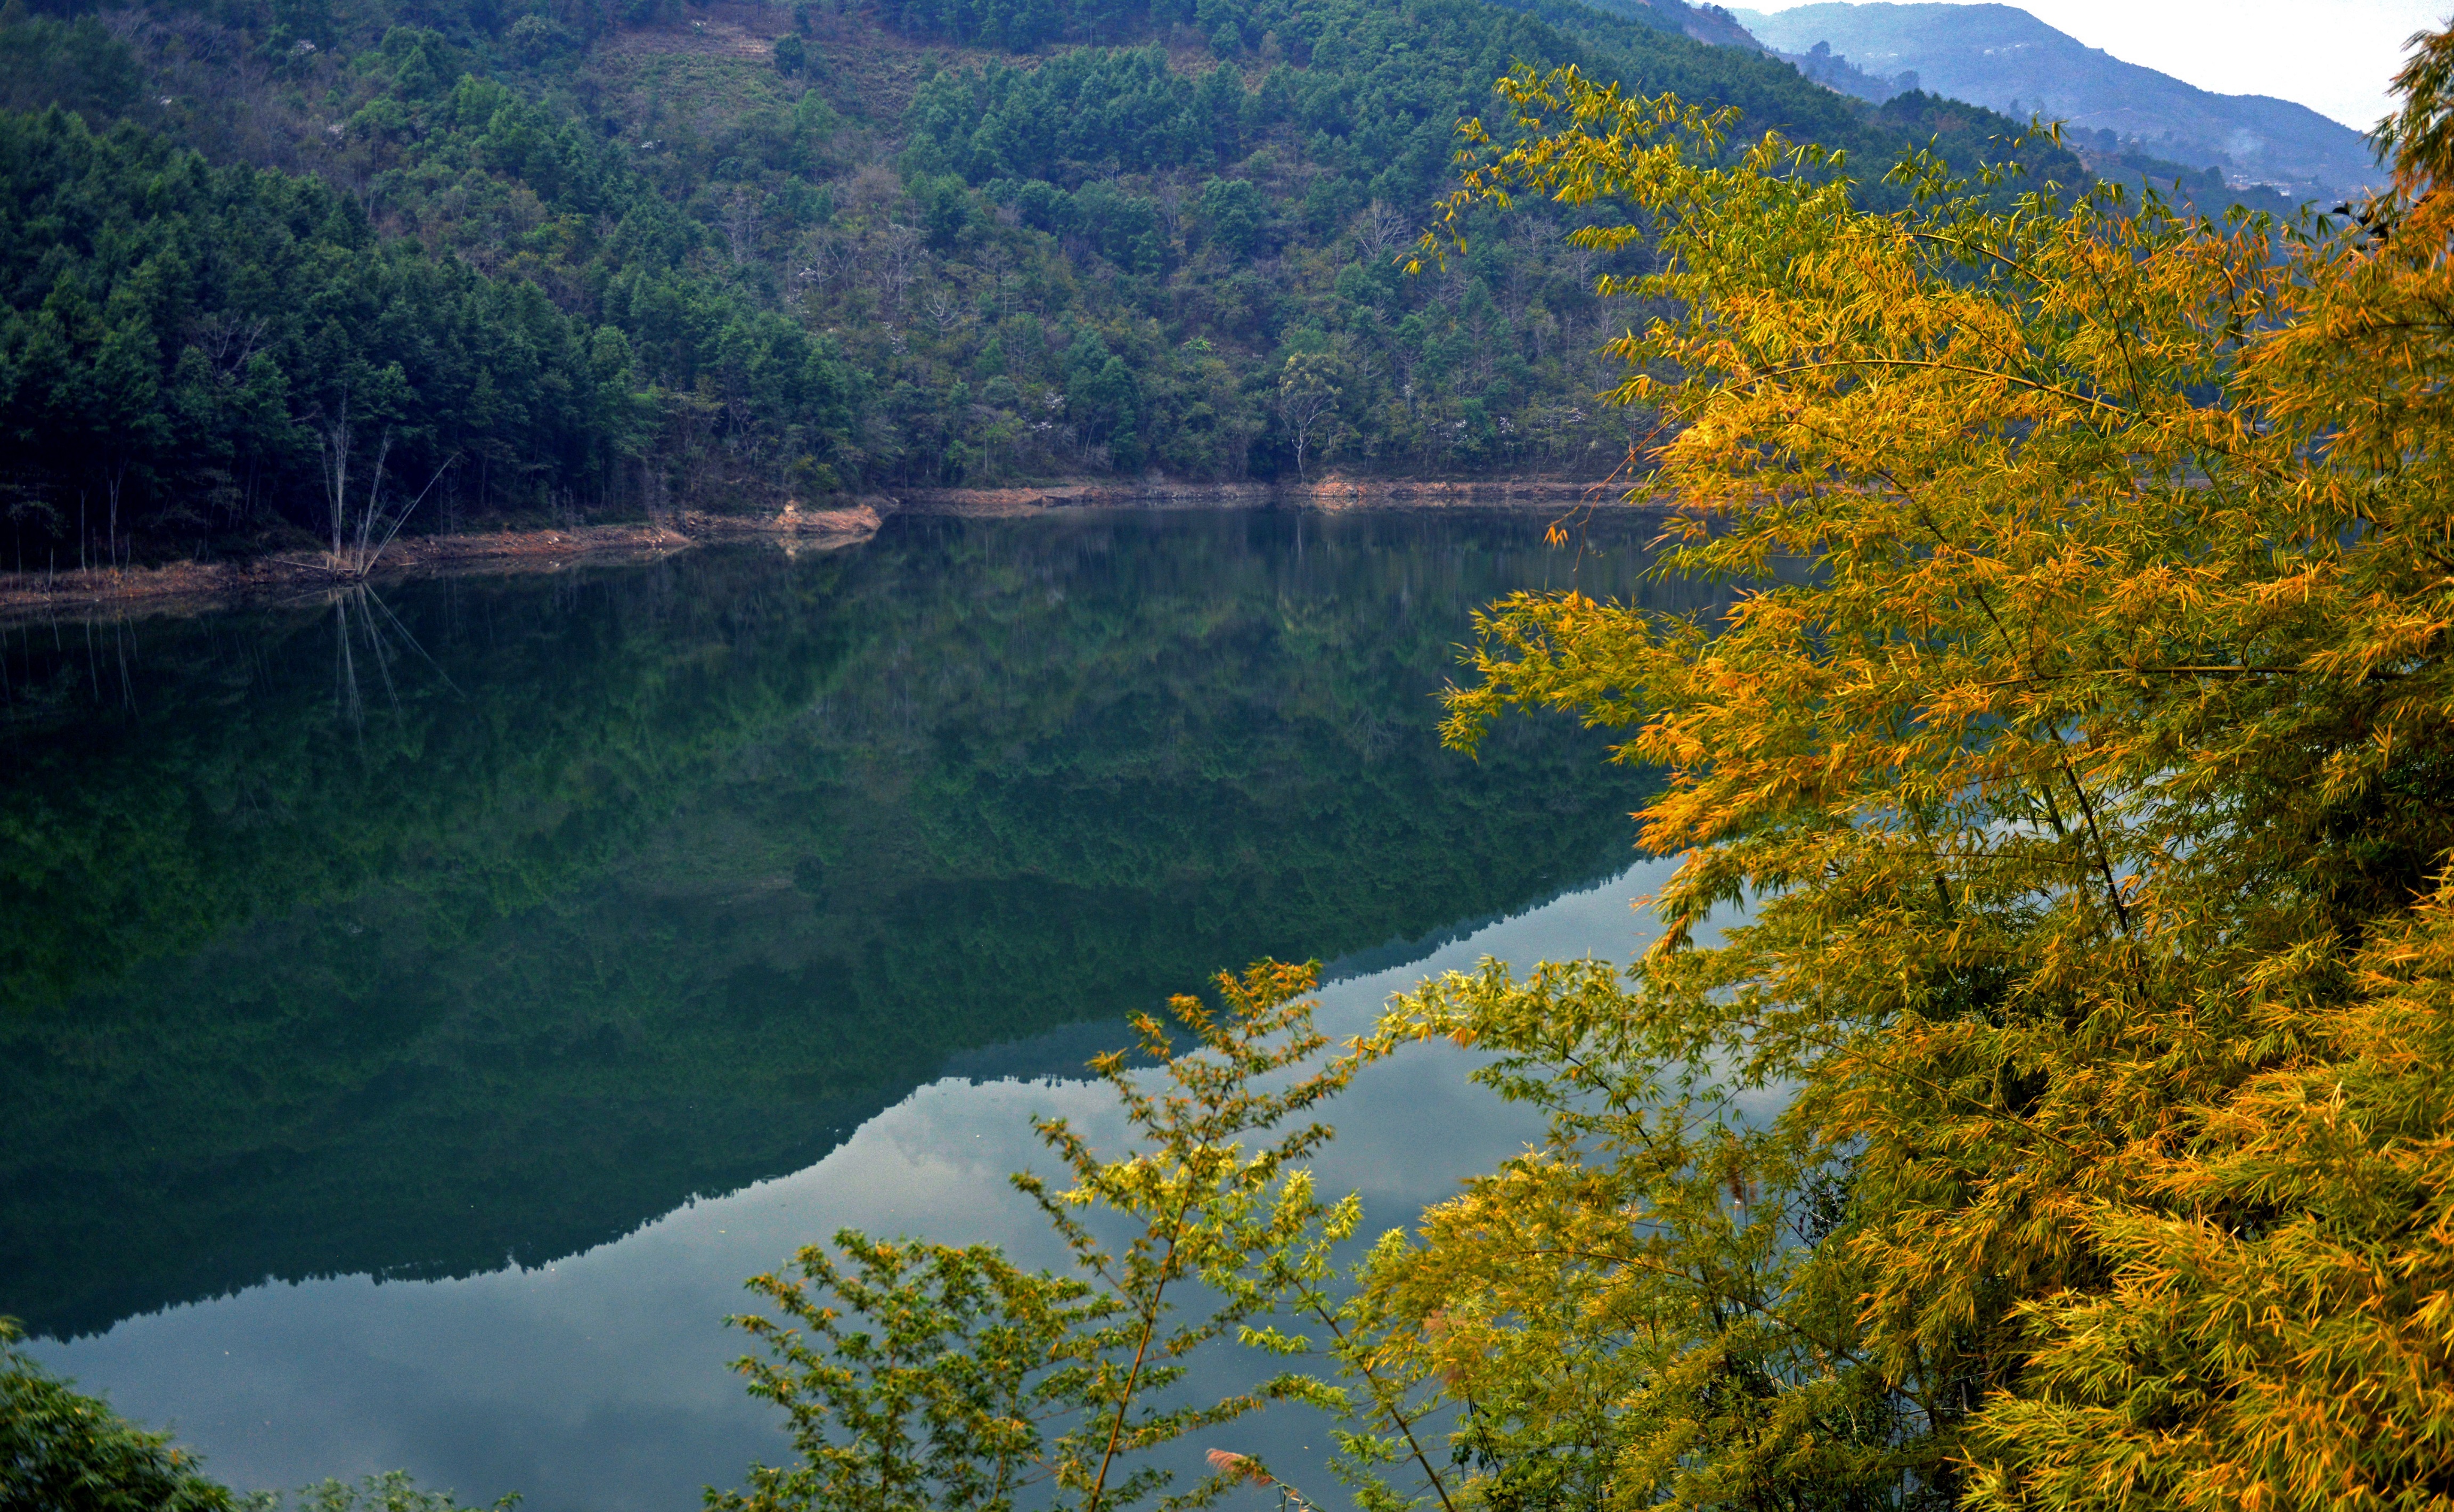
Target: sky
<point>2333,56</point>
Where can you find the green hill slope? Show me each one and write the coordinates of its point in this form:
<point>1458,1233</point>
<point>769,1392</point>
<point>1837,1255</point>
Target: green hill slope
<point>569,258</point>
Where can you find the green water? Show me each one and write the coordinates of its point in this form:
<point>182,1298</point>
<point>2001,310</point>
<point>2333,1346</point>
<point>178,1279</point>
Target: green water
<point>487,919</point>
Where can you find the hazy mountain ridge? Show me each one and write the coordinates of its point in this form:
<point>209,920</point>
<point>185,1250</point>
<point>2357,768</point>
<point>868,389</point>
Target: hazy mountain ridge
<point>2005,59</point>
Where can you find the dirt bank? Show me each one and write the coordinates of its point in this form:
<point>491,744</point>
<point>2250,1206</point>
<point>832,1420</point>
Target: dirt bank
<point>1332,492</point>
<point>182,587</point>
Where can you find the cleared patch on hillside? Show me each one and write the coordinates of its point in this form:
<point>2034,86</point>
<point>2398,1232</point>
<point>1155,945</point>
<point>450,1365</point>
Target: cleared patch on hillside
<point>718,39</point>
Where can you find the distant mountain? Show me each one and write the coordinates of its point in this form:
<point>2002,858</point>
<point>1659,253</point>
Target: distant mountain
<point>2002,57</point>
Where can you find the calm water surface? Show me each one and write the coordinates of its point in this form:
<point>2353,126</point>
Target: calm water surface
<point>423,1011</point>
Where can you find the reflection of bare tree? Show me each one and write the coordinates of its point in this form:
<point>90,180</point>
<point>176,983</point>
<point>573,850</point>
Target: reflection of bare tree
<point>108,665</point>
<point>347,699</point>
<point>361,618</point>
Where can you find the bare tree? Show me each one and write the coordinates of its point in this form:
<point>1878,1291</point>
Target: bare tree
<point>1581,261</point>
<point>740,222</point>
<point>1536,235</point>
<point>360,541</point>
<point>336,438</point>
<point>1515,288</point>
<point>227,342</point>
<point>1479,338</point>
<point>1607,329</point>
<point>943,307</point>
<point>1380,229</point>
<point>998,264</point>
<point>1543,325</point>
<point>1170,199</point>
<point>1306,397</point>
<point>871,187</point>
<point>825,260</point>
<point>810,264</point>
<point>898,262</point>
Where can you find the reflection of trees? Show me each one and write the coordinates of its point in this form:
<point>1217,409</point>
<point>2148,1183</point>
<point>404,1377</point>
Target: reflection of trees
<point>688,866</point>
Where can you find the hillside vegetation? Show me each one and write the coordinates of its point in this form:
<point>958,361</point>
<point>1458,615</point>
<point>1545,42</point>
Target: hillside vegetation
<point>273,267</point>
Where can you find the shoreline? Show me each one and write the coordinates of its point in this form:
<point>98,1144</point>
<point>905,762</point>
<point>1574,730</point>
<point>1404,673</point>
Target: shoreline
<point>198,587</point>
<point>177,588</point>
<point>1330,494</point>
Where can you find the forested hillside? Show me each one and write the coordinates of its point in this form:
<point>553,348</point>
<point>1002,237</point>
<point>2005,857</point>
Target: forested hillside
<point>294,258</point>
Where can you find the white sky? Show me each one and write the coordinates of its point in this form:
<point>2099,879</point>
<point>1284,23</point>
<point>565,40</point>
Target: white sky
<point>2334,56</point>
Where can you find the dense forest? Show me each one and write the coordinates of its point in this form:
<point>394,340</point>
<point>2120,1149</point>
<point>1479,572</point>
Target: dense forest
<point>274,266</point>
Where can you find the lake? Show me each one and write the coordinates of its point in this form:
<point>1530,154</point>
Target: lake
<point>424,1007</point>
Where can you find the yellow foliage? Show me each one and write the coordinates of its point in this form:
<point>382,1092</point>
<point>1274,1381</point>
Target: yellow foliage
<point>2064,1121</point>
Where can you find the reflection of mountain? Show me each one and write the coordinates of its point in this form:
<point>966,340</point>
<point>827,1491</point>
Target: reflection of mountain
<point>686,869</point>
<point>2001,58</point>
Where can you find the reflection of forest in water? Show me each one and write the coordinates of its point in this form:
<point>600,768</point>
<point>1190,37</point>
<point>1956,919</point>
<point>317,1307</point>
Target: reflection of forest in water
<point>636,884</point>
